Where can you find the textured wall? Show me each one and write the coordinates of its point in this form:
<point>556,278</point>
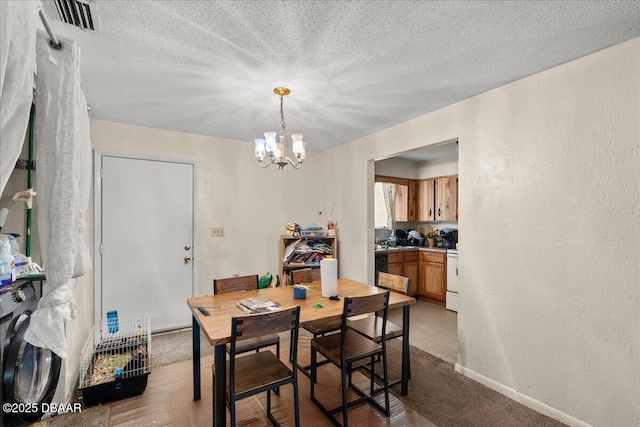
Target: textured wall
<point>398,168</point>
<point>438,167</point>
<point>251,203</point>
<point>552,163</point>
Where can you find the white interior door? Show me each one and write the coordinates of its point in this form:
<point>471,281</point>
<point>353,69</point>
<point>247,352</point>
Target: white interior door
<point>146,236</point>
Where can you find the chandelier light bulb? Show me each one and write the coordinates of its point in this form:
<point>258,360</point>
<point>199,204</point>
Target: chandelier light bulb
<point>260,152</point>
<point>270,145</point>
<point>298,144</point>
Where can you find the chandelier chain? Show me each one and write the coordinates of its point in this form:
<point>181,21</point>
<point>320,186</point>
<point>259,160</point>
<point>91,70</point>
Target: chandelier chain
<point>283,126</point>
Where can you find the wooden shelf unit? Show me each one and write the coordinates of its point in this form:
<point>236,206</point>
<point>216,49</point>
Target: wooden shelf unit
<point>286,241</point>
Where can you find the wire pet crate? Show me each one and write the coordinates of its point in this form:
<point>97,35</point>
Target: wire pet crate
<point>116,359</point>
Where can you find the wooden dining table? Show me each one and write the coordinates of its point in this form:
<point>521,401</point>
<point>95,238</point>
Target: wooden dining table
<point>216,326</point>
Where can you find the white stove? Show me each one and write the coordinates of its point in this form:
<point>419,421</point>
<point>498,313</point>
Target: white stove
<point>452,280</point>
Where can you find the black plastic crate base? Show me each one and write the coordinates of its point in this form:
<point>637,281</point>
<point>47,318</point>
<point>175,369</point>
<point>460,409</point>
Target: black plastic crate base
<point>114,390</point>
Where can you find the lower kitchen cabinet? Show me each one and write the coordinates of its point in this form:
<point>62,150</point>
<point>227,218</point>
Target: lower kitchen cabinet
<point>405,264</point>
<point>433,275</point>
<point>395,263</point>
<point>411,270</point>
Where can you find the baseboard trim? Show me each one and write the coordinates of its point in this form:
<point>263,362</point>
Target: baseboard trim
<point>528,401</point>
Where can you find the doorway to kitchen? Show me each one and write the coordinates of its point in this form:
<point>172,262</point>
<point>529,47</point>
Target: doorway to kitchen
<point>145,249</point>
<point>415,199</point>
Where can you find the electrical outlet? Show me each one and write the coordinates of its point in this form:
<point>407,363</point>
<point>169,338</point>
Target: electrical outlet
<point>217,231</point>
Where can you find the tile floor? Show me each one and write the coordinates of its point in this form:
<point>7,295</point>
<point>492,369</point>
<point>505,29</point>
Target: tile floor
<point>433,329</point>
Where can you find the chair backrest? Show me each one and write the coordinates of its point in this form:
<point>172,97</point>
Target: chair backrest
<point>392,282</point>
<point>235,284</point>
<point>271,322</point>
<point>309,275</point>
<point>355,306</point>
<point>257,325</point>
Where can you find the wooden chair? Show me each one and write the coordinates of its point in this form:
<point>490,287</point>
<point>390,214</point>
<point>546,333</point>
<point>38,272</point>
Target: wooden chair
<point>238,284</point>
<point>318,327</point>
<point>347,347</point>
<point>372,326</point>
<point>263,371</point>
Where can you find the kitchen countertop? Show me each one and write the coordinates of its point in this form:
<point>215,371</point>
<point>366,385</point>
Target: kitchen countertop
<point>410,249</point>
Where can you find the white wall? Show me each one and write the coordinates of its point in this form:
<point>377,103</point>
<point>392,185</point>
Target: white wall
<point>398,168</point>
<point>251,203</point>
<point>550,311</point>
<point>438,167</point>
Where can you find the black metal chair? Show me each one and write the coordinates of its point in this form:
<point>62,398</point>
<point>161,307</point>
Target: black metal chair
<point>348,347</point>
<point>246,283</point>
<point>372,326</point>
<point>317,327</point>
<point>262,371</point>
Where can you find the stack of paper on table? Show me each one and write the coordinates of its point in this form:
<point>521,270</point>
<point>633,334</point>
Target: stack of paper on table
<point>257,305</point>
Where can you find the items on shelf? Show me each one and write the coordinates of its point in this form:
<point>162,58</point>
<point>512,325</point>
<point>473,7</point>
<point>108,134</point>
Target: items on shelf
<point>292,229</point>
<point>306,251</point>
<point>312,230</point>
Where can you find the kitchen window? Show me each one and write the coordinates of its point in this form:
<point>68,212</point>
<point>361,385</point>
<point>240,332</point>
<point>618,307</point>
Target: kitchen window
<point>384,205</point>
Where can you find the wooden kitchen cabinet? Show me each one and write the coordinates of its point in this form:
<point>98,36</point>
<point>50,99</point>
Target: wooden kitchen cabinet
<point>438,199</point>
<point>406,196</point>
<point>402,203</point>
<point>405,264</point>
<point>433,276</point>
<point>411,270</point>
<point>412,205</point>
<point>426,197</point>
<point>406,204</point>
<point>446,190</point>
<point>395,263</point>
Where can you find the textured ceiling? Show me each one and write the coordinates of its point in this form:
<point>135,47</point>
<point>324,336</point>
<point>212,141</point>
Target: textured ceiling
<point>353,68</point>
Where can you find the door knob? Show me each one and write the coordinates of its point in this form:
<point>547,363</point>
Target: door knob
<point>187,259</point>
<point>187,247</point>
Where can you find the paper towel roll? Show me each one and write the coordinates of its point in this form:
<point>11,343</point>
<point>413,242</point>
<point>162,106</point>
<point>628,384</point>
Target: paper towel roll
<point>329,277</point>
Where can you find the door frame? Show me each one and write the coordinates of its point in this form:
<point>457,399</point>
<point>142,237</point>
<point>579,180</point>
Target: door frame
<point>196,286</point>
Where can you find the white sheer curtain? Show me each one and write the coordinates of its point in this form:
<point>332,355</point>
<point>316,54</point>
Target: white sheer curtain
<point>17,64</point>
<point>63,176</point>
<point>389,191</point>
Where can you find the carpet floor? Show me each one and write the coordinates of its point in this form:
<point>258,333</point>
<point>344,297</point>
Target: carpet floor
<point>447,398</point>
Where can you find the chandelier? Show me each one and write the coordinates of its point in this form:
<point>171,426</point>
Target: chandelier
<point>274,149</point>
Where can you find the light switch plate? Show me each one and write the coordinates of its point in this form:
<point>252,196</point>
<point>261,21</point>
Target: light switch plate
<point>217,231</point>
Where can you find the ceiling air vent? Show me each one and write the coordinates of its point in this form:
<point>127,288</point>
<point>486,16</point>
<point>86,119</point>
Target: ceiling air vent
<point>79,13</point>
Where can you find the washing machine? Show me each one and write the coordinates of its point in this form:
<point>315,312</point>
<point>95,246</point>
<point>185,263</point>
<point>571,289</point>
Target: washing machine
<point>29,374</point>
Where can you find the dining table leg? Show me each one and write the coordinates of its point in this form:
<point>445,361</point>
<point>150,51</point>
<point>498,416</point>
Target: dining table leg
<point>195,342</point>
<point>405,351</point>
<point>219,386</point>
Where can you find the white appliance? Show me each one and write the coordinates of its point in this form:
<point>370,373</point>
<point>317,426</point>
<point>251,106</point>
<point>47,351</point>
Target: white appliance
<point>452,280</point>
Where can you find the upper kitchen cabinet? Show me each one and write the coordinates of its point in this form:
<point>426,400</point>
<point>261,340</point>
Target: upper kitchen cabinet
<point>438,199</point>
<point>427,197</point>
<point>405,197</point>
<point>446,200</point>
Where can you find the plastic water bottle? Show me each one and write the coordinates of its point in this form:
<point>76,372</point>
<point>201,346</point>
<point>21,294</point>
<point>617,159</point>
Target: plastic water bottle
<point>7,264</point>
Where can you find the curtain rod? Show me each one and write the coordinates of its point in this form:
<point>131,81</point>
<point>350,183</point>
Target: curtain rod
<point>54,43</point>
